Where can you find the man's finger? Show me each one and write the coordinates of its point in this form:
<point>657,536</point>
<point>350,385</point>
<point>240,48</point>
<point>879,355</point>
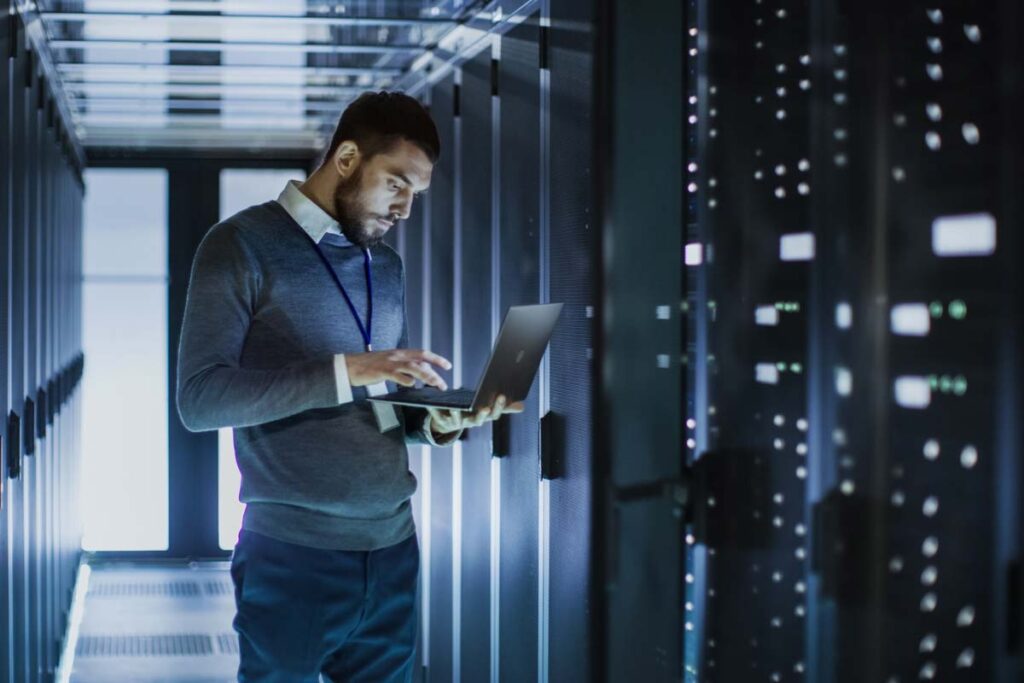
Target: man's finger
<point>424,373</point>
<point>434,358</point>
<point>481,417</point>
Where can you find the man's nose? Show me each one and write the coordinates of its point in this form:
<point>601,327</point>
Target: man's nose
<point>403,209</point>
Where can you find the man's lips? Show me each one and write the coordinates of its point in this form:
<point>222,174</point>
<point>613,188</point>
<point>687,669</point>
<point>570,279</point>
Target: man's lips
<point>386,223</point>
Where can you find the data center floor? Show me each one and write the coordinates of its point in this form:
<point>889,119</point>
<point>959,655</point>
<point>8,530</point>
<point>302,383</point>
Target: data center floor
<point>149,623</point>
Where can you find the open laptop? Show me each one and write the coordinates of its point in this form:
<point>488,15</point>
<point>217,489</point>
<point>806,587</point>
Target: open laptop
<point>510,370</point>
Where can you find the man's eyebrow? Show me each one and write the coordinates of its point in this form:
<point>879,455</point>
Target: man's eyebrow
<point>404,178</point>
<point>401,175</point>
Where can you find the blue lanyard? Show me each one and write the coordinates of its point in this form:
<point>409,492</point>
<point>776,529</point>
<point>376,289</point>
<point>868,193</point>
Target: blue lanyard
<point>365,331</point>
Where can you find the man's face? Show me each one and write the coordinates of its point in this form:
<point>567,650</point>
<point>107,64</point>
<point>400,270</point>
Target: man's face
<point>380,192</point>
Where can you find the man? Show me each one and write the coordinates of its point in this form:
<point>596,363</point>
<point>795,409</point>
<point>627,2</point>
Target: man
<point>295,314</point>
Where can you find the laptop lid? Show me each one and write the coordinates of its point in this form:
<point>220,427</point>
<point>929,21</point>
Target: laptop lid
<point>522,341</point>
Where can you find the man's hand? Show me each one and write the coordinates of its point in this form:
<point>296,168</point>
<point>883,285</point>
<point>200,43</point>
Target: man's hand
<point>446,421</point>
<point>402,366</point>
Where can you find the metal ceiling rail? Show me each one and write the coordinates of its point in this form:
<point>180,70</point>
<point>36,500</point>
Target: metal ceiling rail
<point>226,138</point>
<point>72,79</point>
<point>212,123</point>
<point>276,19</point>
<point>69,67</point>
<point>227,46</point>
<point>253,91</point>
<point>131,104</point>
<point>284,86</point>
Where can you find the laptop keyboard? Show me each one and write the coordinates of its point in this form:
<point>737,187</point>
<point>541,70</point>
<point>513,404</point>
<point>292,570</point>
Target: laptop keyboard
<point>460,396</point>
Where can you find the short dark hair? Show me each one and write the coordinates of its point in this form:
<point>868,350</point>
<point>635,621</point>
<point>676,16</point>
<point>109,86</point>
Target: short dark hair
<point>377,120</point>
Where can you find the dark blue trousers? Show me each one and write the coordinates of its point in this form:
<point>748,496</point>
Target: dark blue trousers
<point>303,612</point>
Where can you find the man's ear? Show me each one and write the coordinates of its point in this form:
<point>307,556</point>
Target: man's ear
<point>346,158</point>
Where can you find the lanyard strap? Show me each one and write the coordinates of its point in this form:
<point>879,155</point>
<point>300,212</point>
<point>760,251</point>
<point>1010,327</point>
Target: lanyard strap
<point>367,331</point>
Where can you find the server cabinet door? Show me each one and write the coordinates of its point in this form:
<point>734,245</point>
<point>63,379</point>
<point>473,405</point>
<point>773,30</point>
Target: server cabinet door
<point>639,417</point>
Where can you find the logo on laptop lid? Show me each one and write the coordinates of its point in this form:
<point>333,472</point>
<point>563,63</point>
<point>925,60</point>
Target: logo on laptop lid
<point>519,356</point>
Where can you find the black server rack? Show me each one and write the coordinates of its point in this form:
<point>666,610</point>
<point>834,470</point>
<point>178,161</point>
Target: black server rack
<point>439,249</point>
<point>476,159</point>
<point>854,332</point>
<point>40,359</point>
<point>567,426</point>
<point>507,523</point>
<point>518,210</point>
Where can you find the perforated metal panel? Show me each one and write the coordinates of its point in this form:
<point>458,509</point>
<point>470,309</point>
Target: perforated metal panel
<point>121,589</point>
<point>572,251</point>
<point>441,253</point>
<point>519,96</point>
<point>182,645</point>
<point>475,106</point>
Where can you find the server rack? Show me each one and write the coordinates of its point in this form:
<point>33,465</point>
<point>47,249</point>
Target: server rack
<point>506,516</point>
<point>40,359</point>
<point>857,490</point>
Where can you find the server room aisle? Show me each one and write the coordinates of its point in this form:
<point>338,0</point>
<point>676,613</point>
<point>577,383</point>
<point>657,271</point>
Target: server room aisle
<point>156,623</point>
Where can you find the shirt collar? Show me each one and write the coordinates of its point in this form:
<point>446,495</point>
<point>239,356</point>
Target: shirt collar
<point>310,217</point>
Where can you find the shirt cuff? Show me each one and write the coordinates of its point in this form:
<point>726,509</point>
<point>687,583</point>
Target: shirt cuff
<point>446,440</point>
<point>341,379</point>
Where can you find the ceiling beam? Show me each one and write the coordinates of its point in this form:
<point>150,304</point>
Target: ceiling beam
<point>253,90</point>
<point>276,20</point>
<point>223,46</point>
<point>147,104</point>
<point>257,69</point>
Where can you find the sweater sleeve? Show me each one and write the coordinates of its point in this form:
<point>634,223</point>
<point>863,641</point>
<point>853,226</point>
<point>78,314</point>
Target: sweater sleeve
<point>213,391</point>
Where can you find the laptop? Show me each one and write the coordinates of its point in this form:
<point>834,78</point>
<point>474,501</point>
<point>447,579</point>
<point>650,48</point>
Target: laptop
<point>510,370</point>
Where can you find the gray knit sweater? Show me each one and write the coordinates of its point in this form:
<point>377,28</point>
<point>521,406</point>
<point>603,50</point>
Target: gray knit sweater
<point>263,322</point>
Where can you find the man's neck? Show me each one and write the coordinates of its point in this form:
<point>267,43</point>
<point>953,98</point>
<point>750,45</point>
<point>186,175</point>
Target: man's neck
<point>319,192</point>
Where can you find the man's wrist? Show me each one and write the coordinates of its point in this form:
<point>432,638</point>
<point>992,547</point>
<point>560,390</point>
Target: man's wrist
<point>438,437</point>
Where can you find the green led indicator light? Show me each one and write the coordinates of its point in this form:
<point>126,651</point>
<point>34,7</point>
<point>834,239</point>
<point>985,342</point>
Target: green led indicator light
<point>960,385</point>
<point>796,367</point>
<point>936,309</point>
<point>945,384</point>
<point>958,309</point>
<point>781,367</point>
<point>933,381</point>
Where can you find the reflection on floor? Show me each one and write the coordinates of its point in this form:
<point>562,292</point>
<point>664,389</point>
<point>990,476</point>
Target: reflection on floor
<point>149,623</point>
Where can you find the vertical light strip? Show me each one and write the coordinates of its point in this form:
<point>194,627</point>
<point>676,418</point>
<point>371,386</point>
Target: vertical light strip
<point>10,557</point>
<point>544,495</point>
<point>426,451</point>
<point>425,486</point>
<point>457,361</point>
<point>495,320</point>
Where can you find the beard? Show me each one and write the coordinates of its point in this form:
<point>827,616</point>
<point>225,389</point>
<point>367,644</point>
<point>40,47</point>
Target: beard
<point>355,221</point>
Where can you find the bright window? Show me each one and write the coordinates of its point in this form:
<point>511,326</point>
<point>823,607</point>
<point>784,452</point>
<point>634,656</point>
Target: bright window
<point>125,400</point>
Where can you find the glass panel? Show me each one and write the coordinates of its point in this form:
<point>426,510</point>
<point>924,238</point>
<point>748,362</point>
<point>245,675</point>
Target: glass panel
<point>235,113</point>
<point>274,49</point>
<point>125,393</point>
<point>241,188</point>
